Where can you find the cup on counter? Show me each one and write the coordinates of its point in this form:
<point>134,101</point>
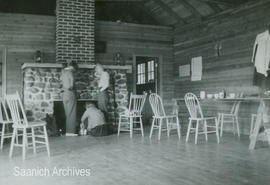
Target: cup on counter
<point>221,95</point>
<point>202,95</point>
<point>209,96</point>
<point>232,95</point>
<point>216,96</point>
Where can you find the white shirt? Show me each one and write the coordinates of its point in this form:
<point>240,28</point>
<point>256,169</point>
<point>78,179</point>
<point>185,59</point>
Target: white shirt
<point>104,81</point>
<point>67,79</point>
<point>94,116</point>
<point>261,52</point>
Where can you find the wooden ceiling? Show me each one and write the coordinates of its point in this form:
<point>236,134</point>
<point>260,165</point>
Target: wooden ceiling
<point>155,12</point>
<point>162,12</point>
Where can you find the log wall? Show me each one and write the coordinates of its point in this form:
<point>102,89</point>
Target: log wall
<point>233,71</point>
<point>24,34</point>
<point>134,39</point>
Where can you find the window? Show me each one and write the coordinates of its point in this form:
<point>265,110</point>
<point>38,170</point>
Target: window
<point>151,70</point>
<point>146,72</point>
<point>141,73</point>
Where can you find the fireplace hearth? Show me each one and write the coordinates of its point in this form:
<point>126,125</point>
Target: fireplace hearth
<point>42,87</point>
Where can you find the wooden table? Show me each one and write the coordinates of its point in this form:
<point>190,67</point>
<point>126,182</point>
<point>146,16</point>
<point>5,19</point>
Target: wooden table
<point>261,113</point>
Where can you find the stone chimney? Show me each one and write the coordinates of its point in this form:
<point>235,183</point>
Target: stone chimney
<point>75,31</point>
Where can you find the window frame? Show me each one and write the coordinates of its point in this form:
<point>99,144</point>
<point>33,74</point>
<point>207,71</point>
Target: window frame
<point>145,72</point>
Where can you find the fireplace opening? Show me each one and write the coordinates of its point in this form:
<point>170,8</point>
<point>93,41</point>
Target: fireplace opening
<point>60,118</point>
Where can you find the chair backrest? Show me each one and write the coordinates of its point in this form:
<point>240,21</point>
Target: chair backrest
<point>136,103</point>
<point>157,105</point>
<point>236,105</point>
<point>193,106</point>
<point>3,111</point>
<point>16,109</point>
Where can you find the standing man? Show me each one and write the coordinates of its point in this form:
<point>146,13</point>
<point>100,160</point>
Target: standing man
<point>103,84</point>
<point>69,99</point>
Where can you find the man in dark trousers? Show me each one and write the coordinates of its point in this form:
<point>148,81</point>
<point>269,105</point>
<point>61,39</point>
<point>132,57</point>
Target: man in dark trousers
<point>69,99</point>
<point>103,84</point>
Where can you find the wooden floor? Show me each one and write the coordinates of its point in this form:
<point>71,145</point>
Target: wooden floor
<point>122,160</point>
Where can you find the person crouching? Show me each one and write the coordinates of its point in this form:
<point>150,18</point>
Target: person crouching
<point>94,116</point>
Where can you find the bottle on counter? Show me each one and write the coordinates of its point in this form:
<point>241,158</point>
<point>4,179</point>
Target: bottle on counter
<point>222,94</point>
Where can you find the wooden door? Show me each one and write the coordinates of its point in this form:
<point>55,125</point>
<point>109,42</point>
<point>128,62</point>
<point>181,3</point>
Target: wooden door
<point>146,81</point>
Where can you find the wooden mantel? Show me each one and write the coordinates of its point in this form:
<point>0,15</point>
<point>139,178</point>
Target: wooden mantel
<point>84,66</point>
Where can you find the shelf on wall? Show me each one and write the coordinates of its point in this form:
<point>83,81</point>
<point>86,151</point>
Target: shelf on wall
<point>83,66</point>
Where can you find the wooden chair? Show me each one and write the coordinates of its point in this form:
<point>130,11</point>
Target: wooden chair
<point>5,121</point>
<point>231,117</point>
<point>196,114</point>
<point>38,130</point>
<point>160,115</point>
<point>253,121</point>
<point>133,114</point>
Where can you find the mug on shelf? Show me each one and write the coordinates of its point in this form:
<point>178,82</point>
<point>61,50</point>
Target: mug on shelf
<point>202,94</point>
<point>209,96</point>
<point>232,95</point>
<point>221,95</point>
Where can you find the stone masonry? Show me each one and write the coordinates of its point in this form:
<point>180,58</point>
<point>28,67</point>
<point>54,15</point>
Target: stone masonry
<point>42,86</point>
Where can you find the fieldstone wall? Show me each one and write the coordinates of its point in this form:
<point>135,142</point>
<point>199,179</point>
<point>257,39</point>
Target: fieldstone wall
<point>42,86</point>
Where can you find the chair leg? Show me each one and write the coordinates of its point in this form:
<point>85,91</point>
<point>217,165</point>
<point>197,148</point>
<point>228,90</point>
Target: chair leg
<point>131,126</point>
<point>251,124</point>
<point>216,122</point>
<point>178,128</point>
<point>205,130</point>
<point>221,126</point>
<point>17,136</point>
<point>24,143</point>
<point>197,131</point>
<point>160,126</point>
<point>2,136</point>
<point>119,125</point>
<point>141,124</point>
<point>46,140</point>
<point>12,142</point>
<point>33,140</point>
<point>237,126</point>
<point>168,127</point>
<point>233,121</point>
<point>219,120</point>
<point>188,130</point>
<point>152,127</point>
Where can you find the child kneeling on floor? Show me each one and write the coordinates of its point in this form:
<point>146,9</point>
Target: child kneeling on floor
<point>96,125</point>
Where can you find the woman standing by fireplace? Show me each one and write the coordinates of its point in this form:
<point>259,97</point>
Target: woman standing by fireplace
<point>69,98</point>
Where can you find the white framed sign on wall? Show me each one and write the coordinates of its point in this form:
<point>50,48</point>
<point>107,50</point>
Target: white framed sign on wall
<point>184,70</point>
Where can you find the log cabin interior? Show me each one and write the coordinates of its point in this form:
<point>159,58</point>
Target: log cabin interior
<point>134,92</point>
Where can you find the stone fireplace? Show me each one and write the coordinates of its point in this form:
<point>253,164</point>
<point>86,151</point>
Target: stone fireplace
<point>42,87</point>
<point>75,40</point>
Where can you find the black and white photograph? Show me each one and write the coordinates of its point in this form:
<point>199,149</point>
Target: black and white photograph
<point>134,92</point>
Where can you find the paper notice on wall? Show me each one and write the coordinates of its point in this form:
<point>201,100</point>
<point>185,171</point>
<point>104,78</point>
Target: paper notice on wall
<point>184,70</point>
<point>196,68</point>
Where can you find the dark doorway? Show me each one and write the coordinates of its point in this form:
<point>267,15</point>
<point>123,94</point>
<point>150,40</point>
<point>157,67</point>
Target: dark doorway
<point>147,81</point>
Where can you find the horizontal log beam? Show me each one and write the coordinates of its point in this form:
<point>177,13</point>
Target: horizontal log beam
<point>190,8</point>
<point>169,11</point>
<point>214,6</point>
<point>225,3</point>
